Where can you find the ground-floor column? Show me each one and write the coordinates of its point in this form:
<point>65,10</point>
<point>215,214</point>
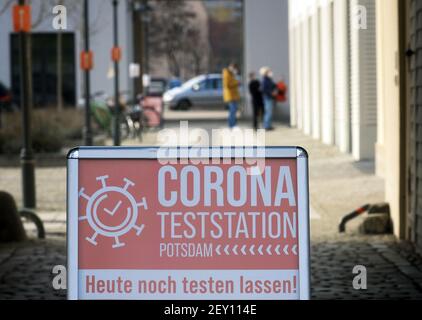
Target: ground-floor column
<point>316,73</point>
<point>306,71</point>
<point>327,74</point>
<point>341,75</point>
<point>292,70</point>
<point>299,73</point>
<point>388,154</point>
<point>363,95</point>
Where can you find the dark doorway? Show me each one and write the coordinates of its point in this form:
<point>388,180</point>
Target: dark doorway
<point>44,68</point>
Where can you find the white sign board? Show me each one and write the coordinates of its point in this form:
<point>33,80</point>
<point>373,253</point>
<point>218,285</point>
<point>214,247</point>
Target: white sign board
<point>188,223</point>
<point>146,80</point>
<point>134,70</point>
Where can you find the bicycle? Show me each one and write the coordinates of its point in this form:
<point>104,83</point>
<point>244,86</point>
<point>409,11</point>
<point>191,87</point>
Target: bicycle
<point>143,116</point>
<point>102,108</point>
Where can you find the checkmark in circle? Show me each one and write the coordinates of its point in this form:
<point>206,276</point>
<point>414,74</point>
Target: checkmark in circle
<point>112,212</point>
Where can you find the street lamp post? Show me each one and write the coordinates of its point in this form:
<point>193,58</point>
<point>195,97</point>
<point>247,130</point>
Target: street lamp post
<point>116,53</point>
<point>27,155</point>
<point>142,8</point>
<point>87,130</point>
<point>145,18</point>
<point>137,46</point>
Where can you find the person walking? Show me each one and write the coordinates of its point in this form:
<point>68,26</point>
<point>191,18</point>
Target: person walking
<point>231,94</point>
<point>269,92</point>
<point>257,101</point>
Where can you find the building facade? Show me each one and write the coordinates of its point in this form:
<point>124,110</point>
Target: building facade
<point>356,84</point>
<point>334,88</point>
<point>259,20</point>
<point>44,55</point>
<point>410,115</point>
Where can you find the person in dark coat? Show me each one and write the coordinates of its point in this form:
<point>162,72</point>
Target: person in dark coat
<point>256,97</point>
<point>269,92</point>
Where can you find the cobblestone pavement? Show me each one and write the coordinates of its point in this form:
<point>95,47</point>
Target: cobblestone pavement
<point>26,269</point>
<point>337,186</point>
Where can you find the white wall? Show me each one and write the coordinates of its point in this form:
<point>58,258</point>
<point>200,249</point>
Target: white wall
<point>267,42</point>
<point>341,75</point>
<point>299,75</point>
<point>388,141</point>
<point>363,97</point>
<point>327,74</point>
<point>293,96</point>
<point>306,76</point>
<point>101,43</point>
<point>316,74</point>
<point>335,64</point>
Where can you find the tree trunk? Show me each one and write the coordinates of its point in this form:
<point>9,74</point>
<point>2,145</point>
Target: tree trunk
<point>174,64</point>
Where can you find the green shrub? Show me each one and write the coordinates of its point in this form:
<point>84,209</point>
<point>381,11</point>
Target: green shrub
<point>49,130</point>
<point>71,121</point>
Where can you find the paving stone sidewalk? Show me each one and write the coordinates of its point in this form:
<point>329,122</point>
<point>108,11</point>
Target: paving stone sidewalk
<point>394,270</point>
<point>337,186</point>
<point>26,269</point>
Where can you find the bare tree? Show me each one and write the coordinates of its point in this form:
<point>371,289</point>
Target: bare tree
<point>197,50</point>
<point>174,35</point>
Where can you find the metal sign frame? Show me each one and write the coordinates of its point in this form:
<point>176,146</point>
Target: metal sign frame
<point>143,153</point>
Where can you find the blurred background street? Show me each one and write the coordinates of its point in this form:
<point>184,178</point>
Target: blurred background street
<point>394,269</point>
<point>343,85</point>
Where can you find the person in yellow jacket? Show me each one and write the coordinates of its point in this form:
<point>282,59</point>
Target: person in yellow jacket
<point>231,94</point>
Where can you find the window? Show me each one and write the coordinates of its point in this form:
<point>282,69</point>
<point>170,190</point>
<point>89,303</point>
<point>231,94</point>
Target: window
<point>44,68</point>
<point>206,84</point>
<point>217,83</point>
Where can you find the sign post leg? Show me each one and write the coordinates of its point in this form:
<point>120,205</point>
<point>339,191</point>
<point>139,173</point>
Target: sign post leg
<point>27,155</point>
<point>116,135</point>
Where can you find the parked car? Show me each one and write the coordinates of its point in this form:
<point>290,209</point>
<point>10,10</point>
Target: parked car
<point>204,91</point>
<point>157,87</point>
<point>174,83</point>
